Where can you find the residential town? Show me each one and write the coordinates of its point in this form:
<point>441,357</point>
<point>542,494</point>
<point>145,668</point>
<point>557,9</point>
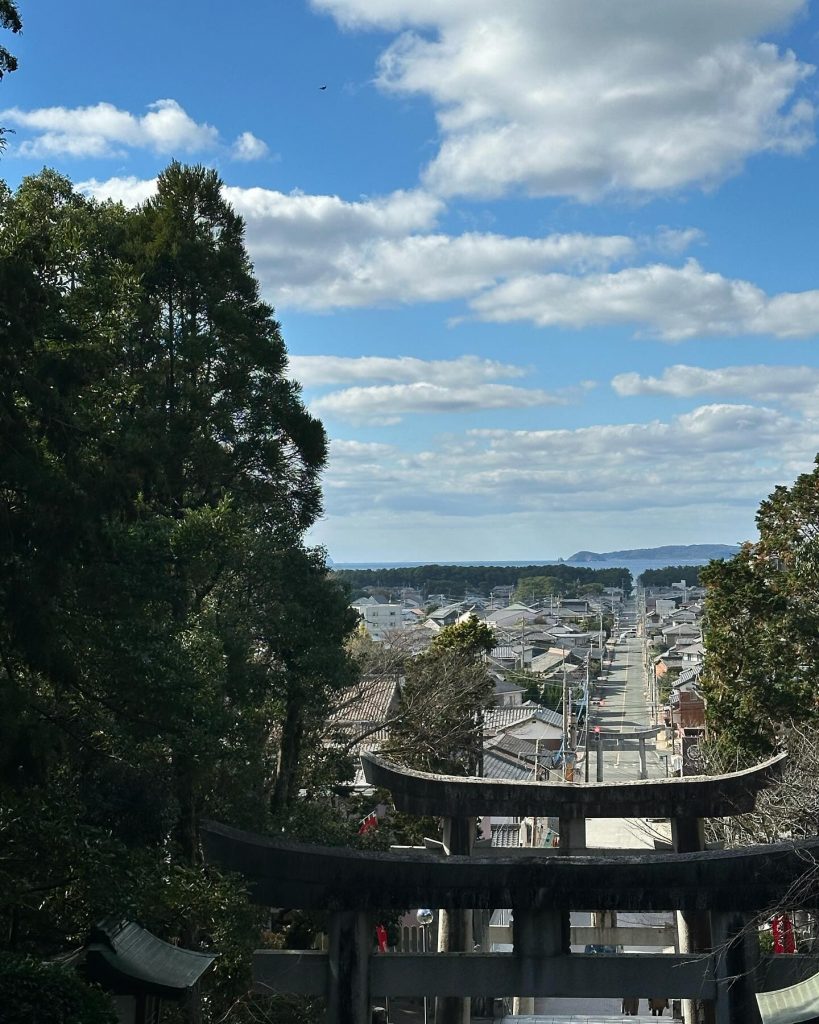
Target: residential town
<point>561,669</point>
<point>542,648</point>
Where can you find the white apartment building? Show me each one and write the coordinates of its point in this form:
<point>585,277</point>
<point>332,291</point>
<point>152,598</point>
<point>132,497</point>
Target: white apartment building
<point>381,618</point>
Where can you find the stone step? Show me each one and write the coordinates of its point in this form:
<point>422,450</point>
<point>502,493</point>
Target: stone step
<point>582,1018</point>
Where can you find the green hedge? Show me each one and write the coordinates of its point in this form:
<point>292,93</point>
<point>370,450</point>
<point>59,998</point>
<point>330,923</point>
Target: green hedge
<point>32,992</point>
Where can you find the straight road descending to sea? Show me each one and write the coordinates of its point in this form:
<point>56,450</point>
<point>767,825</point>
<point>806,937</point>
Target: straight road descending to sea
<point>624,710</point>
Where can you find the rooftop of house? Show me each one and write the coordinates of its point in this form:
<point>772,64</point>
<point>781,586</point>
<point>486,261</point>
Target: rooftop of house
<point>506,835</point>
<point>498,766</point>
<point>498,719</point>
<point>369,700</point>
<point>513,614</point>
<point>512,746</point>
<point>688,675</point>
<point>669,657</point>
<point>691,650</point>
<point>506,652</point>
<point>683,629</point>
<point>446,611</point>
<point>556,657</point>
<point>595,653</point>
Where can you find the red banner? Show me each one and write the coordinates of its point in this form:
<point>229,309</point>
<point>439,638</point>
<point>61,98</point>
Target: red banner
<point>783,937</point>
<point>371,821</point>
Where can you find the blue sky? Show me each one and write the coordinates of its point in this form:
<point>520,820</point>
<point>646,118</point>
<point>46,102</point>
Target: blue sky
<point>546,269</point>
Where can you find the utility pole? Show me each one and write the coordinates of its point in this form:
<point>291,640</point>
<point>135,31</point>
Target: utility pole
<point>566,718</point>
<point>537,766</point>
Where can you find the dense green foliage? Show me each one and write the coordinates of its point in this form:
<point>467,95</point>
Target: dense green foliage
<point>671,574</point>
<point>454,580</point>
<point>446,690</point>
<point>530,589</point>
<point>470,639</point>
<point>9,20</point>
<point>168,646</point>
<point>31,991</point>
<point>549,694</point>
<point>762,625</point>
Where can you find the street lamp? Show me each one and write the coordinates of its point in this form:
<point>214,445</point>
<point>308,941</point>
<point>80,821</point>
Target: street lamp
<point>424,917</point>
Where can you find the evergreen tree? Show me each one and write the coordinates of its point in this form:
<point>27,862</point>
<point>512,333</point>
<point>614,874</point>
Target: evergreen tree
<point>161,623</point>
<point>762,625</point>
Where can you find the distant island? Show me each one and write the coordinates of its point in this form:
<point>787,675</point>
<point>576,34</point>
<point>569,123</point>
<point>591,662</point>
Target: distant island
<point>669,551</point>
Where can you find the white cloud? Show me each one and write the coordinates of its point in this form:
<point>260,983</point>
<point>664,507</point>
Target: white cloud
<point>578,98</point>
<point>103,130</point>
<point>709,428</point>
<point>465,371</point>
<point>673,241</point>
<point>322,252</point>
<point>421,268</point>
<point>130,191</point>
<point>248,147</point>
<point>320,219</point>
<point>789,385</point>
<point>672,303</point>
<point>332,220</point>
<point>388,404</point>
<point>716,456</point>
<point>404,385</point>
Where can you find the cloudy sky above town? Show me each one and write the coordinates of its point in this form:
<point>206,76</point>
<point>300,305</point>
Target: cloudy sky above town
<point>546,268</point>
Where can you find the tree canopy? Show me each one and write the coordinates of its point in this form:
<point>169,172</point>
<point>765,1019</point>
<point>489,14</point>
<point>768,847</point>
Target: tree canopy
<point>762,624</point>
<point>454,580</point>
<point>671,574</point>
<point>439,726</point>
<point>9,20</point>
<point>168,645</point>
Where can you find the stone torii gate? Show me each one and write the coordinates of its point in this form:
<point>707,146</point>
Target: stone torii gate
<point>603,740</point>
<point>541,887</point>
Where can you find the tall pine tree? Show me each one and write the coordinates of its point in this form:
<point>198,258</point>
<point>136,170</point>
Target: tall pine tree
<point>167,642</point>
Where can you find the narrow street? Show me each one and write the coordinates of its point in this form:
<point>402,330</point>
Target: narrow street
<point>623,709</point>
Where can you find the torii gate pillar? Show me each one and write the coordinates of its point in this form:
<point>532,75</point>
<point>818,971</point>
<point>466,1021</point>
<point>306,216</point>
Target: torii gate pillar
<point>348,991</point>
<point>455,926</point>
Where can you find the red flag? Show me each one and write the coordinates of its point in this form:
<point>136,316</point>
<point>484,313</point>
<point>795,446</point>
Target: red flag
<point>371,821</point>
<point>783,937</point>
<point>788,937</point>
<point>381,935</point>
<point>776,931</point>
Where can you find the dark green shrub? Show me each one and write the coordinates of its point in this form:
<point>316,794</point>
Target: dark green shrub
<point>32,992</point>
